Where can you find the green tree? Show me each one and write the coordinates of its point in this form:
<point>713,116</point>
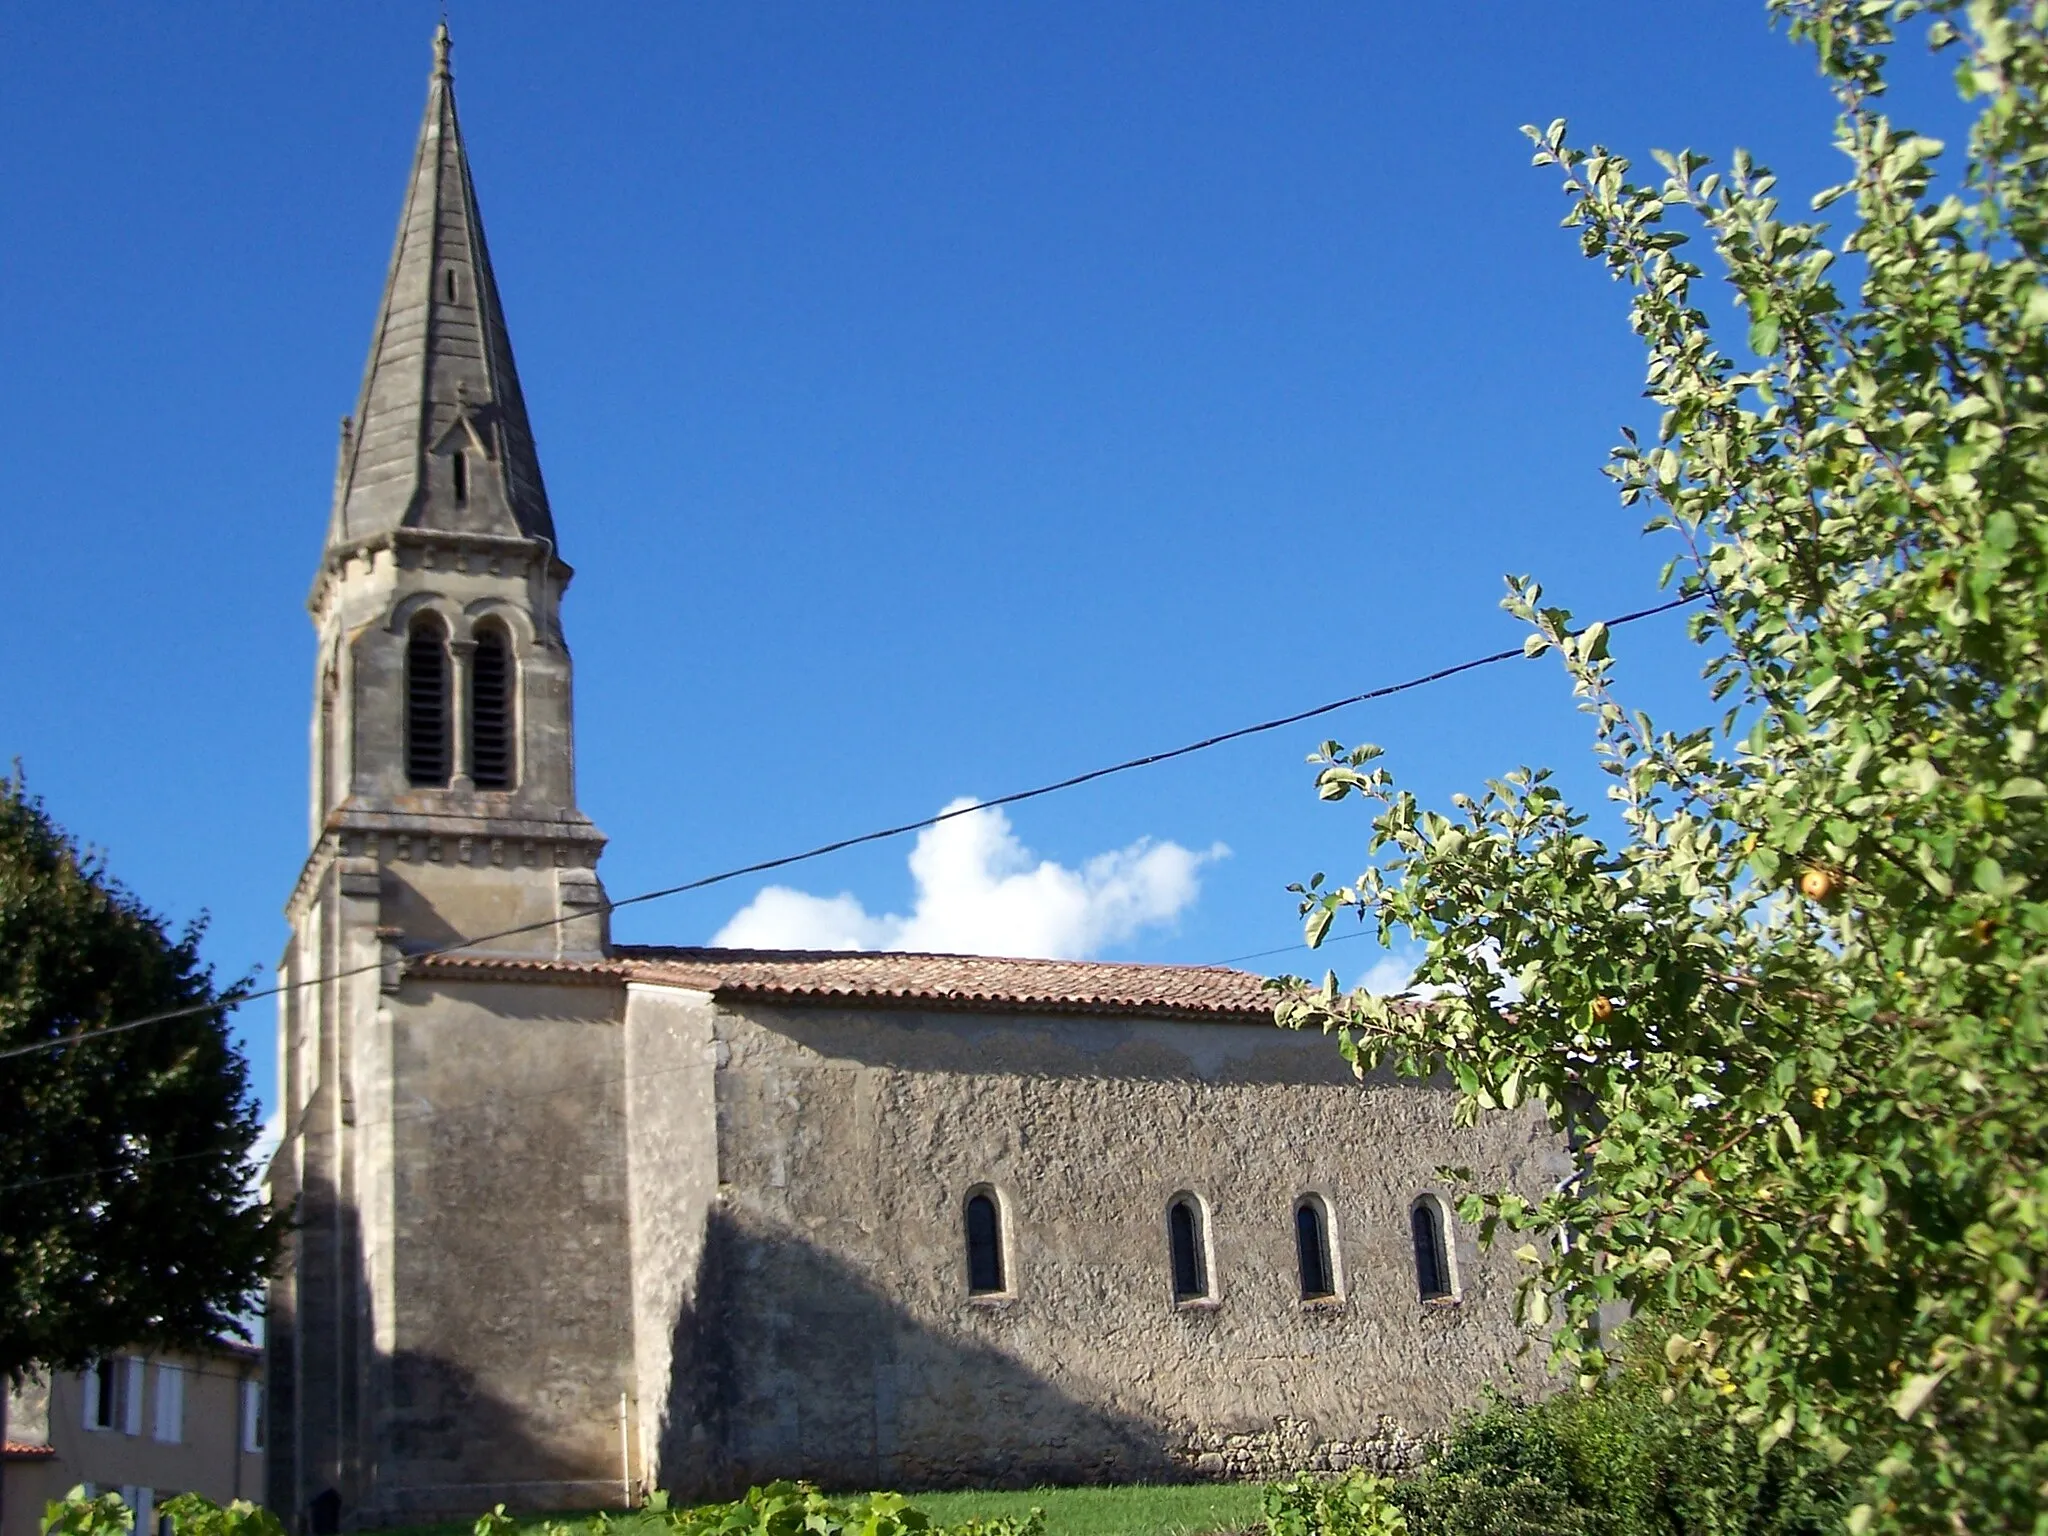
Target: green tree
<point>125,1212</point>
<point>1791,1017</point>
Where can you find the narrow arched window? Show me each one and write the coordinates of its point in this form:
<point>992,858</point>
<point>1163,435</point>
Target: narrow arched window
<point>448,280</point>
<point>426,704</point>
<point>1185,1245</point>
<point>1432,1258</point>
<point>491,758</point>
<point>984,1245</point>
<point>1312,1250</point>
<point>460,464</point>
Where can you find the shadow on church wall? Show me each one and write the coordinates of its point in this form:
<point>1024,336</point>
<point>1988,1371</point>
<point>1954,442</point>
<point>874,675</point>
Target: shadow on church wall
<point>364,1438</point>
<point>795,1366</point>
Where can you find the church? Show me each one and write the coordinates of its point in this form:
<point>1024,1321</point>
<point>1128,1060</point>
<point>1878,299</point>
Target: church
<point>579,1219</point>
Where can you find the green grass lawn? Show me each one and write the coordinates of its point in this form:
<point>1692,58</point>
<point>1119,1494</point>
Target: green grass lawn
<point>1190,1509</point>
<point>1186,1509</point>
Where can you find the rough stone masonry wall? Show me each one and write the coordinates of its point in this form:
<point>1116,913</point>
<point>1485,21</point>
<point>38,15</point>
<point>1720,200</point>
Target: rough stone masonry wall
<point>837,1337</point>
<point>499,1361</point>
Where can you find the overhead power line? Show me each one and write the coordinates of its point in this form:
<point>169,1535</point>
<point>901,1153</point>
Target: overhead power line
<point>763,866</point>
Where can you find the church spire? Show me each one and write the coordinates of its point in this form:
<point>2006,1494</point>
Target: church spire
<point>440,439</point>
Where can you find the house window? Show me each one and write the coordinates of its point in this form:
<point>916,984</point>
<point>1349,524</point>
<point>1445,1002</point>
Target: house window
<point>102,1382</point>
<point>1432,1256</point>
<point>490,709</point>
<point>252,1416</point>
<point>1312,1249</point>
<point>984,1245</point>
<point>426,704</point>
<point>170,1405</point>
<point>1185,1244</point>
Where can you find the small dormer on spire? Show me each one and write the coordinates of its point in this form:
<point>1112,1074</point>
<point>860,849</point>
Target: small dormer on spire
<point>441,441</point>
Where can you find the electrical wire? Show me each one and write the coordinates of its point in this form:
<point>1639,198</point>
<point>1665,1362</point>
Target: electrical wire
<point>839,845</point>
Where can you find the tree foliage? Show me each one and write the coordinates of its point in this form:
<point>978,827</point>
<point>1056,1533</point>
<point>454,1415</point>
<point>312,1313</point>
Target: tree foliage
<point>125,1212</point>
<point>1791,1018</point>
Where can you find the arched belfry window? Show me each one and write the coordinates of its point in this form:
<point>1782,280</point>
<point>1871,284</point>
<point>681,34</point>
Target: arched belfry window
<point>984,1244</point>
<point>1312,1249</point>
<point>1432,1254</point>
<point>492,759</point>
<point>426,704</point>
<point>1186,1242</point>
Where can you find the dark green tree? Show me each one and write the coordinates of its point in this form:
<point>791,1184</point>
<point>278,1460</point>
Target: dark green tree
<point>126,1213</point>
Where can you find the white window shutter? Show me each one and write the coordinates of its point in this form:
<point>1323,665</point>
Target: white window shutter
<point>132,1398</point>
<point>145,1512</point>
<point>170,1404</point>
<point>89,1389</point>
<point>130,1496</point>
<point>252,1416</point>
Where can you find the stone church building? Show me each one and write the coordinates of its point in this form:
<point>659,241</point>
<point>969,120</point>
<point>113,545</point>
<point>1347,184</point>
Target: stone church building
<point>578,1218</point>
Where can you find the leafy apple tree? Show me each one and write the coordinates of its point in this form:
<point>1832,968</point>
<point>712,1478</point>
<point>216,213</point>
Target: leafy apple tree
<point>1791,1019</point>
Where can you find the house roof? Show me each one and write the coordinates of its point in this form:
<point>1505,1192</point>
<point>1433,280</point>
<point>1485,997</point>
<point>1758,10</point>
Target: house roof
<point>976,983</point>
<point>16,1450</point>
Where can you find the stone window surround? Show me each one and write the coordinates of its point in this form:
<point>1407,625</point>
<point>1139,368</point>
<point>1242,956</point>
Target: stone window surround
<point>1453,1291</point>
<point>1006,1258</point>
<point>1210,1295</point>
<point>1333,1264</point>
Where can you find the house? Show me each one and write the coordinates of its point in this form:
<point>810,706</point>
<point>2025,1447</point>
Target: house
<point>147,1426</point>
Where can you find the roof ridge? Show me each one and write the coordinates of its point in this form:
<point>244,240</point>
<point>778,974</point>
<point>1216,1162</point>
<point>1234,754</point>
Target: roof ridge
<point>706,951</point>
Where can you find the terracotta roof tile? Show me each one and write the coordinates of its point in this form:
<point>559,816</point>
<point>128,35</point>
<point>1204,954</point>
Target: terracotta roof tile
<point>23,1452</point>
<point>973,982</point>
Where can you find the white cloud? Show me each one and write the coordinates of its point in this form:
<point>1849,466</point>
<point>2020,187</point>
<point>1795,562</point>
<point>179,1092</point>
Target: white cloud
<point>1389,975</point>
<point>1393,974</point>
<point>979,892</point>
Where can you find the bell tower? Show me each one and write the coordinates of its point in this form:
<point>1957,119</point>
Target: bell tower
<point>443,807</point>
<point>443,749</point>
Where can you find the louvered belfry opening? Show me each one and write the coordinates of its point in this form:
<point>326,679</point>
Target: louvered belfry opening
<point>490,710</point>
<point>426,705</point>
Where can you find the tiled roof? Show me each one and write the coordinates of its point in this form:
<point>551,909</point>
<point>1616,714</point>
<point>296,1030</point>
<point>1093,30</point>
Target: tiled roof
<point>972,982</point>
<point>19,1451</point>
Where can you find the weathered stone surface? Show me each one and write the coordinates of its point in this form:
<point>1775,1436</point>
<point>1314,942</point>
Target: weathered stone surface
<point>836,1336</point>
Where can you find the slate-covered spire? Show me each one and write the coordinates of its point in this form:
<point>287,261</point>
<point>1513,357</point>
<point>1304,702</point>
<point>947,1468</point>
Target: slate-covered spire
<point>440,438</point>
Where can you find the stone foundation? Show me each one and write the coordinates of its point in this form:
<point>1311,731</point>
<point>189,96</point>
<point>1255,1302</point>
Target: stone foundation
<point>1292,1446</point>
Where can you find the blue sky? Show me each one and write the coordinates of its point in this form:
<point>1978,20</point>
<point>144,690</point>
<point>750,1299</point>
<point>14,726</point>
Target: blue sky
<point>935,399</point>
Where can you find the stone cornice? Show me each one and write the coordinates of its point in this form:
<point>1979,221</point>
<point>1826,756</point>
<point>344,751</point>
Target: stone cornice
<point>453,837</point>
<point>489,546</point>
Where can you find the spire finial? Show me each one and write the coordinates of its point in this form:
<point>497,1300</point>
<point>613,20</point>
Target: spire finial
<point>441,47</point>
